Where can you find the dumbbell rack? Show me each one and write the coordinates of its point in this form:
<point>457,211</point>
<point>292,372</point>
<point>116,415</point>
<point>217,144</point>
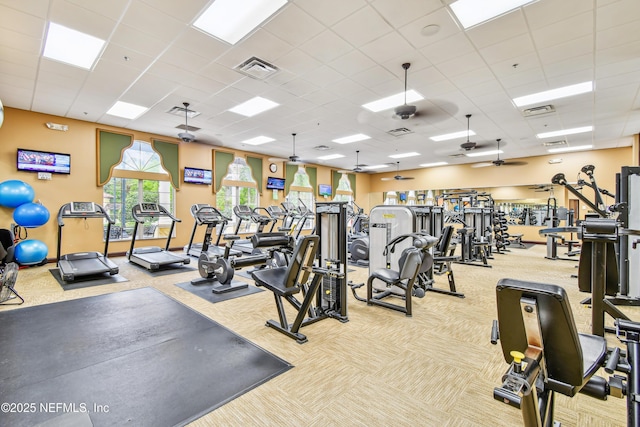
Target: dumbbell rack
<point>500,234</point>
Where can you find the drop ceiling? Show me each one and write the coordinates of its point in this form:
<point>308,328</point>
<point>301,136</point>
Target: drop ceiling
<point>331,57</point>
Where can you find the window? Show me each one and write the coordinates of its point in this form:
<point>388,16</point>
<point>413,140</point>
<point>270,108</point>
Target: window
<point>344,193</point>
<point>301,196</point>
<point>138,178</point>
<point>238,188</point>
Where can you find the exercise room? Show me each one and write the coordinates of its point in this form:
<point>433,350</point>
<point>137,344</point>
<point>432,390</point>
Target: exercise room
<point>320,213</point>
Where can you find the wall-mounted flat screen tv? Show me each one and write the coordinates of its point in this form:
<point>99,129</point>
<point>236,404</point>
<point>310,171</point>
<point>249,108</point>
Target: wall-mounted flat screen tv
<point>274,183</point>
<point>43,161</point>
<point>197,176</point>
<point>324,190</point>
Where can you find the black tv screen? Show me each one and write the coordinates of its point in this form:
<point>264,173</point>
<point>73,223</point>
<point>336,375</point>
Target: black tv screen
<point>324,189</point>
<point>43,161</point>
<point>197,176</point>
<point>274,183</point>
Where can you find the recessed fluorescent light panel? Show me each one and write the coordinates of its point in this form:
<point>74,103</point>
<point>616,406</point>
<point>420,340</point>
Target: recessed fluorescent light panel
<point>126,110</point>
<point>231,20</point>
<point>564,132</point>
<point>353,138</point>
<point>403,155</point>
<point>254,106</point>
<point>393,101</point>
<point>549,95</point>
<point>71,47</point>
<point>258,140</point>
<point>331,157</point>
<point>430,165</point>
<point>374,167</point>
<point>474,12</point>
<point>565,149</point>
<point>454,135</point>
<point>483,153</point>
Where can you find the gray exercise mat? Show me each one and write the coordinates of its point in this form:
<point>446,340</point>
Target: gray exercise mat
<point>135,357</point>
<point>87,281</point>
<point>205,291</point>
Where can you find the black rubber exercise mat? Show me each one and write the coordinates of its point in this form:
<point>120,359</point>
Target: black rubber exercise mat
<point>87,281</point>
<point>135,357</point>
<point>205,291</point>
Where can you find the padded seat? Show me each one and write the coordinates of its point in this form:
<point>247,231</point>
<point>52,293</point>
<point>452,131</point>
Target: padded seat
<point>571,358</point>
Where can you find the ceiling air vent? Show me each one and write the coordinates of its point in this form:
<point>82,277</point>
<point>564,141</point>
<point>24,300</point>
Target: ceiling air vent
<point>399,131</point>
<point>554,143</point>
<point>257,68</point>
<point>179,111</point>
<point>188,128</point>
<point>538,111</point>
<point>322,147</point>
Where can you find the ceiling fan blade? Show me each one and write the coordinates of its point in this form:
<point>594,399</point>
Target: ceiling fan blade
<point>516,163</point>
<point>481,165</point>
<point>386,179</point>
<point>403,178</point>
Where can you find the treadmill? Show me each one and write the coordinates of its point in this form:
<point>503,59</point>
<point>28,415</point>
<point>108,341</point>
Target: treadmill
<point>153,257</point>
<point>84,264</point>
<point>200,211</point>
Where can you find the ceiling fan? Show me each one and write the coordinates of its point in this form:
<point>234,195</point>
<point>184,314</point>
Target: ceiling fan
<point>357,169</point>
<point>499,161</point>
<point>405,111</point>
<point>293,159</point>
<point>397,177</point>
<point>186,136</point>
<point>470,145</point>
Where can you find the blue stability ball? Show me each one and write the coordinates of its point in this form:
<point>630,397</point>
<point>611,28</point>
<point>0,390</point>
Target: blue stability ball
<point>31,215</point>
<point>30,252</point>
<point>14,193</point>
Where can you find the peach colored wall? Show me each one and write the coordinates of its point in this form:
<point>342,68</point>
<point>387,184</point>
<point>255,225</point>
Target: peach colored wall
<point>24,129</point>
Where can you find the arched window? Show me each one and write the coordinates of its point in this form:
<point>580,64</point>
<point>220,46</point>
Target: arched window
<point>301,194</point>
<point>344,193</point>
<point>238,188</point>
<point>138,178</point>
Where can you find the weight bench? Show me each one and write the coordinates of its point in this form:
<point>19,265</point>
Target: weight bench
<point>287,281</point>
<point>516,240</point>
<point>546,353</point>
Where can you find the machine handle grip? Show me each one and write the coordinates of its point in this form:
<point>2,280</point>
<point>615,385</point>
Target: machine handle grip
<point>494,333</point>
<point>612,361</point>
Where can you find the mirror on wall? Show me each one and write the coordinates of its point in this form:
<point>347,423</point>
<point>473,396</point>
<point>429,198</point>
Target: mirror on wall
<point>526,205</point>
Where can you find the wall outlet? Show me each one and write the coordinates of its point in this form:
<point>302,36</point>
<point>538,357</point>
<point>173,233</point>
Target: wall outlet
<point>44,175</point>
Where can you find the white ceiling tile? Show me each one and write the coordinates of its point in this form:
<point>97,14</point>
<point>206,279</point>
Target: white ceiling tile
<point>401,12</point>
<point>572,28</point>
<point>543,13</point>
<point>80,19</point>
<point>25,43</point>
<point>135,40</point>
<point>511,47</point>
<point>326,46</point>
<point>153,22</point>
<point>352,63</point>
<point>618,35</point>
<point>148,89</point>
<point>374,77</point>
<point>330,11</point>
<point>497,30</point>
<point>20,22</point>
<point>38,8</point>
<point>573,65</point>
<point>261,44</point>
<point>388,47</point>
<point>294,25</point>
<point>461,64</point>
<point>183,11</point>
<point>413,32</point>
<point>362,27</point>
<point>447,49</point>
<point>617,13</point>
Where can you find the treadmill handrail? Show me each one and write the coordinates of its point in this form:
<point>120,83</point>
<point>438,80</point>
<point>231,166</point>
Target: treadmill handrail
<point>65,212</point>
<point>139,215</point>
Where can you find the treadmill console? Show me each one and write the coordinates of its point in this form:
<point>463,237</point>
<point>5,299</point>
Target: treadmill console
<point>207,215</point>
<point>149,208</point>
<point>83,207</point>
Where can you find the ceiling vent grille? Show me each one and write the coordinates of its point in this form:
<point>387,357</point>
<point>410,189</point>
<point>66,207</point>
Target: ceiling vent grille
<point>538,111</point>
<point>554,143</point>
<point>179,111</point>
<point>322,147</point>
<point>188,128</point>
<point>257,68</point>
<point>399,132</point>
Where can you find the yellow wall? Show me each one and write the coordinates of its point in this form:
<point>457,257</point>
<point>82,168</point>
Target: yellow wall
<point>24,129</point>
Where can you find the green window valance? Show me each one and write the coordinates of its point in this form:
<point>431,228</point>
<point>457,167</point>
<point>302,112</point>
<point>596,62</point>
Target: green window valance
<point>110,148</point>
<point>255,163</point>
<point>312,172</point>
<point>169,155</point>
<point>221,162</point>
<point>289,174</point>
